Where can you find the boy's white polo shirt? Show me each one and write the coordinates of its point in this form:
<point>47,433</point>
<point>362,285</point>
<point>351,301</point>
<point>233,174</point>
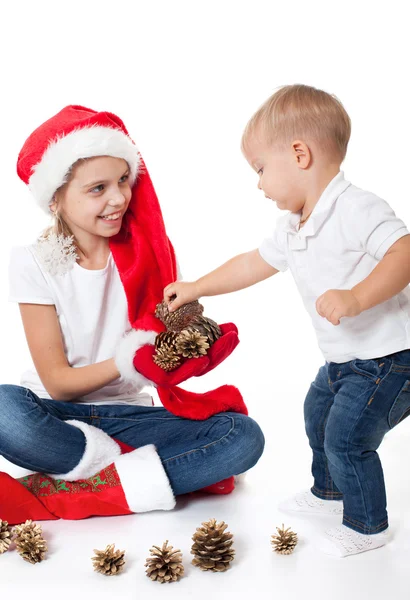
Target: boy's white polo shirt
<point>347,234</point>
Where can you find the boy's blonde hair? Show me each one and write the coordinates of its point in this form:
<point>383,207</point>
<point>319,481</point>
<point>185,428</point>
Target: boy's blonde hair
<point>301,112</point>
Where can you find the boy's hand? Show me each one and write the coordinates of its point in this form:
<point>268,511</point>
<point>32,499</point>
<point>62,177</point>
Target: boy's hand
<point>335,304</point>
<point>180,292</point>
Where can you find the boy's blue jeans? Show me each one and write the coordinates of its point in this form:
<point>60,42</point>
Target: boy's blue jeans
<point>195,454</point>
<point>348,409</point>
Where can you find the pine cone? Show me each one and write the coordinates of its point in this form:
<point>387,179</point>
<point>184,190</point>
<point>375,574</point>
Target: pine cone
<point>285,542</point>
<point>181,318</point>
<point>164,564</point>
<point>207,327</point>
<point>29,542</point>
<point>167,338</point>
<point>212,547</point>
<point>109,561</point>
<point>191,344</point>
<point>166,357</point>
<point>5,536</point>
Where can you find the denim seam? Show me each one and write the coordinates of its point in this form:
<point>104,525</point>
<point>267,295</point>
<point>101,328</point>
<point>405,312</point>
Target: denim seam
<point>327,495</point>
<point>232,430</point>
<point>400,369</point>
<point>145,420</point>
<point>381,381</point>
<point>328,477</point>
<point>366,530</point>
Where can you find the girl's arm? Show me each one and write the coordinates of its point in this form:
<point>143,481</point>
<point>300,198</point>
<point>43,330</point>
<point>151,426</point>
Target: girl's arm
<point>238,273</point>
<point>45,342</point>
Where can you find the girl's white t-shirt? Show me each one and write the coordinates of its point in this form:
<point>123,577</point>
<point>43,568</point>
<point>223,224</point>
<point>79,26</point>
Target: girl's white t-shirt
<point>92,311</point>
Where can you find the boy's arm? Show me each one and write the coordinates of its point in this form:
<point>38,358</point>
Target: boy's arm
<point>387,279</point>
<point>238,273</point>
<point>390,277</point>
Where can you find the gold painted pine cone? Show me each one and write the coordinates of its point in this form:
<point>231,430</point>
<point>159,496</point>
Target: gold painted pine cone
<point>191,344</point>
<point>285,541</point>
<point>165,564</point>
<point>29,542</point>
<point>212,547</point>
<point>166,357</point>
<point>109,561</point>
<point>5,536</point>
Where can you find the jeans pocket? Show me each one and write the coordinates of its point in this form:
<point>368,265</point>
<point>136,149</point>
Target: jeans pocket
<point>401,406</point>
<point>372,368</point>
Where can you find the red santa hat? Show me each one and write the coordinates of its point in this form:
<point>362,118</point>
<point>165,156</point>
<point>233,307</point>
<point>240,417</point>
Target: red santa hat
<point>141,250</point>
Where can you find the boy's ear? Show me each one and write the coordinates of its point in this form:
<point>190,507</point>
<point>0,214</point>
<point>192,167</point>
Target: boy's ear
<point>302,154</point>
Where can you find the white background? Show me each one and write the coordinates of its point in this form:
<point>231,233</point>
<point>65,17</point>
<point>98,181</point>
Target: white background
<point>185,77</point>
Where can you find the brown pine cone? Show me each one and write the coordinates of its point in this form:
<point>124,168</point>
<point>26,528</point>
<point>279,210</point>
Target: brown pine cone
<point>164,564</point>
<point>181,318</point>
<point>207,327</point>
<point>167,338</point>
<point>285,542</point>
<point>5,536</point>
<point>109,561</point>
<point>212,547</point>
<point>29,542</point>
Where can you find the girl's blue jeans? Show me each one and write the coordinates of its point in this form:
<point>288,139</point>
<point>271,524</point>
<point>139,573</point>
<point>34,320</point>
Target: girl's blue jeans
<point>348,410</point>
<point>195,454</point>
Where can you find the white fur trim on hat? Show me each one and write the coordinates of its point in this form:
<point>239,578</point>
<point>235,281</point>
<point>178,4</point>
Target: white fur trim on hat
<point>51,172</point>
<point>100,451</point>
<point>144,481</point>
<point>128,346</point>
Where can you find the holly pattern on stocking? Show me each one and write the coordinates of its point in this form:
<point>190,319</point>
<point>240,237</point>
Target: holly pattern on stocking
<point>42,485</point>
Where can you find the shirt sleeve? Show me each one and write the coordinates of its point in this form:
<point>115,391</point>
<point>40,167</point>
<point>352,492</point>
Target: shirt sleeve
<point>375,225</point>
<point>273,250</point>
<point>27,283</point>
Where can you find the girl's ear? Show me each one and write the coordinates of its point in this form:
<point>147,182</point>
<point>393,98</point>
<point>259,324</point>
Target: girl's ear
<point>53,205</point>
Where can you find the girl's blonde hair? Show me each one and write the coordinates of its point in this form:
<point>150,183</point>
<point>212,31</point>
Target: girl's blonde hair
<point>59,226</point>
<point>301,112</point>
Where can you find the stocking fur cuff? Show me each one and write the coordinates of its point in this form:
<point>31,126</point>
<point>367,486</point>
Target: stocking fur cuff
<point>124,356</point>
<point>144,481</point>
<point>100,451</point>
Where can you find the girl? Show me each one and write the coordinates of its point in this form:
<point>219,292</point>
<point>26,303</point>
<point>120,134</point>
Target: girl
<point>87,292</point>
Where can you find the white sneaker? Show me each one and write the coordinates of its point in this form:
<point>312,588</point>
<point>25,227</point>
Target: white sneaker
<point>343,541</point>
<point>309,503</point>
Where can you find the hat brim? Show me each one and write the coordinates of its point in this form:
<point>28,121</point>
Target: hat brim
<point>88,142</point>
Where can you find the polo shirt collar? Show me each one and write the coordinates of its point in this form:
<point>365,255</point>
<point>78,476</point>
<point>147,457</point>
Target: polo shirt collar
<point>321,211</point>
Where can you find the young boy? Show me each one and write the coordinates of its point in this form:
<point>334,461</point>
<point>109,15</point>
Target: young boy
<point>350,257</point>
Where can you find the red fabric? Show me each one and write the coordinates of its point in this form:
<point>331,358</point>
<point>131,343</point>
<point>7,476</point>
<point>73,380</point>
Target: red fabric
<point>202,406</point>
<point>17,504</point>
<point>226,486</point>
<point>144,364</point>
<point>144,255</point>
<point>100,495</point>
<point>193,367</point>
<point>223,347</point>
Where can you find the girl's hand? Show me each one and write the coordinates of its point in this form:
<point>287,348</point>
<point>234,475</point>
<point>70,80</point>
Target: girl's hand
<point>180,292</point>
<point>335,304</point>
